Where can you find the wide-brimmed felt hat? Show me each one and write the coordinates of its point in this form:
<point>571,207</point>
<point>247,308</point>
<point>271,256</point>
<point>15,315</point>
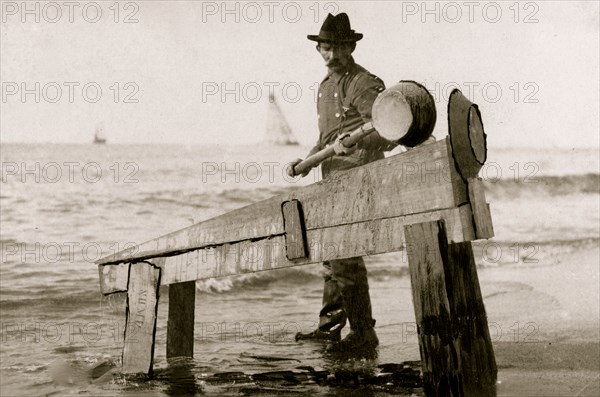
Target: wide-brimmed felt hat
<point>336,29</point>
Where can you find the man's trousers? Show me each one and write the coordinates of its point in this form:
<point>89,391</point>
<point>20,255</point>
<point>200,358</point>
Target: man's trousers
<point>346,295</point>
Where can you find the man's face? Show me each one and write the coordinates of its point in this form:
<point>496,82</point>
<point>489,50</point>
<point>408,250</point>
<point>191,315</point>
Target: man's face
<point>336,55</point>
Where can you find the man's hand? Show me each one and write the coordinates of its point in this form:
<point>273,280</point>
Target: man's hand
<point>340,149</point>
<point>291,172</point>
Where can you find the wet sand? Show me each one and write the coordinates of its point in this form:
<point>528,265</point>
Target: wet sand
<point>545,322</point>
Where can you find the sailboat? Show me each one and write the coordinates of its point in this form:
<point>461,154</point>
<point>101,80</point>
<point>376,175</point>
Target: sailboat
<point>99,136</point>
<point>278,130</point>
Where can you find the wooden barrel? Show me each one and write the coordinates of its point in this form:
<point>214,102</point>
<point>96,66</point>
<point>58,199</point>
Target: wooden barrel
<point>405,113</point>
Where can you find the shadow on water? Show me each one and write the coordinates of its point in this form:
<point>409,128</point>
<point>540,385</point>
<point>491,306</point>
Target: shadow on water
<point>179,378</point>
<point>342,375</point>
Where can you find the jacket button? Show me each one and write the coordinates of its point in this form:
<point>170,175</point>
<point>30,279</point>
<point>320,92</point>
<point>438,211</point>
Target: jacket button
<point>337,115</point>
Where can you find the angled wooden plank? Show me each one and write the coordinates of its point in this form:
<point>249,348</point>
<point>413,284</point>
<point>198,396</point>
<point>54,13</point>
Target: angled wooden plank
<point>180,325</point>
<point>343,241</point>
<point>140,327</point>
<point>420,180</point>
<point>482,218</point>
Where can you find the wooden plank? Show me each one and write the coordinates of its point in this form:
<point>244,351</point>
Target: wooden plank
<point>140,327</point>
<point>180,325</point>
<point>295,235</point>
<point>482,218</point>
<point>456,351</point>
<point>344,241</point>
<point>420,180</point>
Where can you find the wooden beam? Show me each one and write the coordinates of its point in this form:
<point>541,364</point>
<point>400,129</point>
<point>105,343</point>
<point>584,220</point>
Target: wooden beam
<point>482,218</point>
<point>420,180</point>
<point>456,351</point>
<point>343,241</point>
<point>180,325</point>
<point>140,327</point>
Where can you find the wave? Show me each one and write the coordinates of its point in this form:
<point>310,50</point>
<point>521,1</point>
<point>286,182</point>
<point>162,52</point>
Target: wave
<point>53,296</point>
<point>7,241</point>
<point>211,199</point>
<point>552,185</point>
<point>260,280</point>
<point>531,253</point>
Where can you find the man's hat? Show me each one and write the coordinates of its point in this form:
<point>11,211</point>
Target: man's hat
<point>336,29</point>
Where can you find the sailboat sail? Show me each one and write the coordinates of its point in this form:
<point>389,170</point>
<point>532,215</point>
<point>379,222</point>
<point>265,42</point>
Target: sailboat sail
<point>99,136</point>
<point>278,130</point>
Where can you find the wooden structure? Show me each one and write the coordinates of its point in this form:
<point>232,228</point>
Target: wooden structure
<point>427,200</point>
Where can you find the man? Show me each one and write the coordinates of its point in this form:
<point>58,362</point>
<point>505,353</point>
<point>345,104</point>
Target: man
<point>344,103</point>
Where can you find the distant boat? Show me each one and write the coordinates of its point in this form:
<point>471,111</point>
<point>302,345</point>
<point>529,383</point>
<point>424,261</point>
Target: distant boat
<point>99,136</point>
<point>278,130</point>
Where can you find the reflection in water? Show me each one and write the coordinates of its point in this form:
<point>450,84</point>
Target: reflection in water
<point>179,378</point>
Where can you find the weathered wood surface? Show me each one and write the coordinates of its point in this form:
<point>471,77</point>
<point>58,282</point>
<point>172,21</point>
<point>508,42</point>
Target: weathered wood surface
<point>423,179</point>
<point>343,241</point>
<point>115,277</point>
<point>482,218</point>
<point>295,236</point>
<point>405,113</point>
<point>456,350</point>
<point>180,324</point>
<point>140,328</point>
<point>467,136</point>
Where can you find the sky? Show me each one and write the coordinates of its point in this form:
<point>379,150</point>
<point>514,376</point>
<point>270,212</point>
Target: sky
<point>195,72</point>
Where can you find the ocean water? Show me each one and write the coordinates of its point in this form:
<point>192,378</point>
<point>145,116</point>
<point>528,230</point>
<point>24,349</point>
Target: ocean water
<point>64,206</point>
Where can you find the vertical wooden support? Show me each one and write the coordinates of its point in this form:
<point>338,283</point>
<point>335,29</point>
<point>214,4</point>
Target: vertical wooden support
<point>180,326</point>
<point>140,327</point>
<point>454,341</point>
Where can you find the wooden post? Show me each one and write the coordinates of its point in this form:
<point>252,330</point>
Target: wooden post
<point>454,341</point>
<point>140,326</point>
<point>180,325</point>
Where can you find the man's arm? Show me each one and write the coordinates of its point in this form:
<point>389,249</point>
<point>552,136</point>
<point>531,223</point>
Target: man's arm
<point>315,149</point>
<point>367,88</point>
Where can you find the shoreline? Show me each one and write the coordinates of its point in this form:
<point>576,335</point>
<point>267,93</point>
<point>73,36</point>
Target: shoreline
<point>555,349</point>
